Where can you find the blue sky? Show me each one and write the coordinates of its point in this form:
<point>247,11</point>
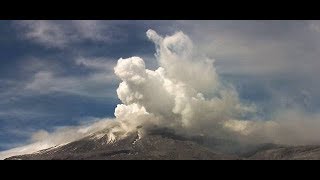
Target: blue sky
<point>60,73</point>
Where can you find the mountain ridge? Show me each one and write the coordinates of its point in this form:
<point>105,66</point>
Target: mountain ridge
<point>165,144</point>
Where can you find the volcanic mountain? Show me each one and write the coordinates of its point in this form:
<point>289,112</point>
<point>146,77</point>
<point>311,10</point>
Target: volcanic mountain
<point>165,144</point>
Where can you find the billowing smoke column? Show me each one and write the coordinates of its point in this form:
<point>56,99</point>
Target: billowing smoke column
<point>184,93</point>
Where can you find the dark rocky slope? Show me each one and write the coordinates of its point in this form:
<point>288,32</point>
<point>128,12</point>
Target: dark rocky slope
<point>311,152</point>
<point>151,146</point>
<point>165,145</point>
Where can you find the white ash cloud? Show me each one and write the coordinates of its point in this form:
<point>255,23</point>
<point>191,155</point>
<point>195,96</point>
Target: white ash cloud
<point>183,93</point>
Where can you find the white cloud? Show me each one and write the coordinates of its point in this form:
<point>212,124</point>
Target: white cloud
<point>257,47</point>
<point>21,114</point>
<point>93,84</point>
<point>170,97</point>
<point>189,99</point>
<point>101,64</point>
<point>314,25</point>
<point>60,34</point>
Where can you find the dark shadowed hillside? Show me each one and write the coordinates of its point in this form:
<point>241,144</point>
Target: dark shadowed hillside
<point>163,144</point>
<point>151,146</point>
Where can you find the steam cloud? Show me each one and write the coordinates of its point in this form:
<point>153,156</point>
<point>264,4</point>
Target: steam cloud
<point>185,94</point>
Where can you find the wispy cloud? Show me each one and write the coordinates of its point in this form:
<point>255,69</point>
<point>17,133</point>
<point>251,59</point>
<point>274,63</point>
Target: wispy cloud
<point>21,114</point>
<point>314,25</point>
<point>98,64</point>
<point>256,47</point>
<point>60,34</point>
<point>93,84</point>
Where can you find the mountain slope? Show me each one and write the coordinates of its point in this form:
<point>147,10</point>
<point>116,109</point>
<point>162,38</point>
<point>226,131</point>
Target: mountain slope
<point>162,144</point>
<point>311,152</point>
<point>151,146</point>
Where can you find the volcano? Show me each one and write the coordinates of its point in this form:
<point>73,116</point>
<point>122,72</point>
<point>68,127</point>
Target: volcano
<point>164,144</point>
